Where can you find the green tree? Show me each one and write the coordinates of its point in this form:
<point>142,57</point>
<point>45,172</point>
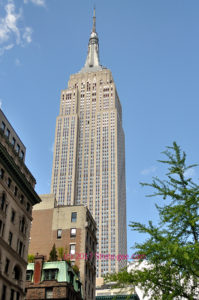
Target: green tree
<point>172,246</point>
<point>61,253</point>
<point>31,258</point>
<point>53,254</point>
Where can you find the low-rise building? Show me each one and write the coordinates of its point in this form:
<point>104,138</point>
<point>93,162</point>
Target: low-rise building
<point>71,228</point>
<point>17,196</point>
<point>107,292</point>
<point>52,280</point>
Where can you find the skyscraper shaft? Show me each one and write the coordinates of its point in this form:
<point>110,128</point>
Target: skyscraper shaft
<point>89,155</point>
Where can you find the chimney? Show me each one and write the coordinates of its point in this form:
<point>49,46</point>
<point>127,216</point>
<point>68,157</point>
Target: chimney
<point>39,259</point>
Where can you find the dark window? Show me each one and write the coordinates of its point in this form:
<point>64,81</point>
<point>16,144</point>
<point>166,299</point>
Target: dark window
<point>3,126</point>
<point>9,182</point>
<point>17,273</point>
<point>20,247</point>
<point>13,141</point>
<point>8,133</point>
<point>18,296</point>
<point>12,294</point>
<point>1,173</point>
<point>10,238</point>
<point>4,292</point>
<point>3,199</point>
<point>18,148</point>
<point>22,199</point>
<point>28,206</point>
<point>71,276</point>
<point>7,265</point>
<point>73,232</point>
<point>50,274</point>
<point>49,293</point>
<point>73,217</point>
<point>13,216</point>
<point>16,191</point>
<point>22,225</point>
<point>29,274</point>
<point>59,232</point>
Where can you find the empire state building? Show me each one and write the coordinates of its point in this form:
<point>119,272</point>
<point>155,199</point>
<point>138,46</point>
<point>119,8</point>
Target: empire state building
<point>89,155</point>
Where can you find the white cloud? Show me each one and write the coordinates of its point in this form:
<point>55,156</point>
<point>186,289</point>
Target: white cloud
<point>27,36</point>
<point>36,2</point>
<point>0,103</point>
<point>149,170</point>
<point>190,173</point>
<point>11,32</point>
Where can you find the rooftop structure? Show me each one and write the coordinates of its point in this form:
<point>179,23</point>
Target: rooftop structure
<point>52,280</point>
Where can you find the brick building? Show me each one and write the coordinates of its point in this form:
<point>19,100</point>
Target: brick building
<point>72,228</point>
<point>52,280</point>
<point>17,196</point>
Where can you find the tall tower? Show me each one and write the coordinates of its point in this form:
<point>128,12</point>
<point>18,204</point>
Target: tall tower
<point>89,155</point>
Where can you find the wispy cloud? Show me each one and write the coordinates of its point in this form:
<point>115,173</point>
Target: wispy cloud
<point>190,173</point>
<point>1,103</point>
<point>36,2</point>
<point>11,33</point>
<point>149,170</point>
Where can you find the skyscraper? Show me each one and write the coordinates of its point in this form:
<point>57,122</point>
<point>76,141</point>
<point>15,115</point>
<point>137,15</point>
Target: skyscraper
<point>89,155</point>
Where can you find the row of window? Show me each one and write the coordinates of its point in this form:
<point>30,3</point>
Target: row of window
<point>72,233</point>
<point>16,191</point>
<point>12,293</point>
<point>13,142</point>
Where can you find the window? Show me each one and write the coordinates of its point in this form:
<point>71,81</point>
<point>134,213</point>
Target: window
<point>59,232</point>
<point>13,141</point>
<point>22,155</point>
<point>17,273</point>
<point>49,293</point>
<point>29,274</point>
<point>18,148</point>
<point>73,232</point>
<point>3,126</point>
<point>4,292</point>
<point>9,182</point>
<point>12,219</point>
<point>22,199</point>
<point>2,203</point>
<point>8,133</point>
<point>7,265</point>
<point>18,296</point>
<point>20,247</point>
<point>28,206</point>
<point>72,249</point>
<point>10,238</point>
<point>50,274</point>
<point>16,191</point>
<point>73,217</point>
<point>1,173</point>
<point>12,294</point>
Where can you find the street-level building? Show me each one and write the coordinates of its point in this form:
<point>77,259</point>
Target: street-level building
<point>71,228</point>
<point>17,196</point>
<point>52,280</point>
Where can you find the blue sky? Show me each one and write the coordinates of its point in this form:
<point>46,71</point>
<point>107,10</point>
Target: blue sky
<point>152,49</point>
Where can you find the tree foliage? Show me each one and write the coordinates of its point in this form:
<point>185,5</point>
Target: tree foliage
<point>53,254</point>
<point>172,247</point>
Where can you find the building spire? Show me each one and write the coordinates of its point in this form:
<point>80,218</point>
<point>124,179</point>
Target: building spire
<point>94,21</point>
<point>92,63</point>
